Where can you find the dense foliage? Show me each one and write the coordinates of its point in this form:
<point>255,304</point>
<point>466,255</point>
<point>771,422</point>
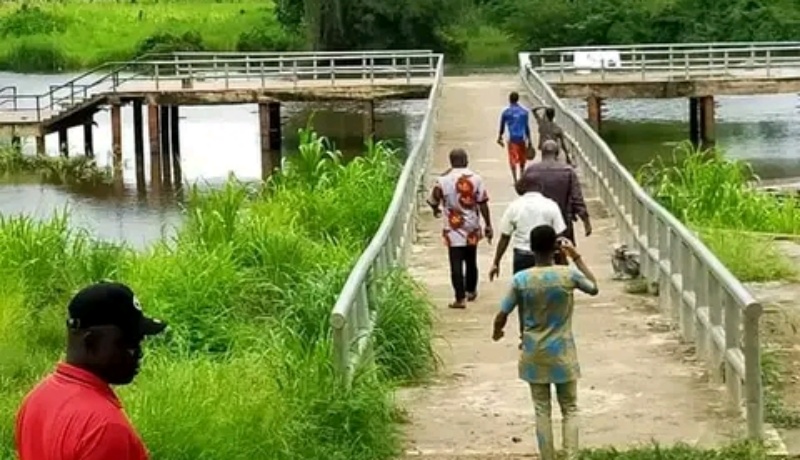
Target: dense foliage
<point>247,286</point>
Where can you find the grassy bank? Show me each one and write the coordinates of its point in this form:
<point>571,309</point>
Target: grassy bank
<point>714,196</point>
<point>247,285</point>
<point>63,36</point>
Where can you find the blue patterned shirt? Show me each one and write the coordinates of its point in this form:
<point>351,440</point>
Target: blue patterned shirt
<point>545,295</point>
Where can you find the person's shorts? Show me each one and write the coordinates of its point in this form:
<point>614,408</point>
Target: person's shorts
<point>516,153</point>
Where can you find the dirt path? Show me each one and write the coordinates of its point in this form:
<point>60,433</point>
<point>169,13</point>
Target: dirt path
<point>638,383</point>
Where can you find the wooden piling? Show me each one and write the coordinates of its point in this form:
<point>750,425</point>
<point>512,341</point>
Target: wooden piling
<point>595,115</point>
<point>155,145</point>
<point>269,114</point>
<point>116,140</point>
<point>138,144</point>
<point>175,135</point>
<point>369,120</point>
<point>88,138</point>
<point>166,157</point>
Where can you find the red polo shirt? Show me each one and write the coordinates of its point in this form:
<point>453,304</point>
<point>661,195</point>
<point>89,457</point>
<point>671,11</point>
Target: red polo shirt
<point>74,415</point>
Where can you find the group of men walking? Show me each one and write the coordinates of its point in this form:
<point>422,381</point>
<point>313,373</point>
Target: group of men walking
<point>539,226</point>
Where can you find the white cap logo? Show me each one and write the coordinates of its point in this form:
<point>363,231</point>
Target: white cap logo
<point>137,304</point>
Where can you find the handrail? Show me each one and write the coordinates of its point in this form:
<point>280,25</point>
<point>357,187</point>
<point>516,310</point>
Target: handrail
<point>162,68</point>
<point>353,316</point>
<point>667,46</point>
<point>668,62</point>
<point>713,308</point>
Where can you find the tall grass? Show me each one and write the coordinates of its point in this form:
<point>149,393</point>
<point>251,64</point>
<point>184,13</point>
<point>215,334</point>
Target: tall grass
<point>717,197</point>
<point>247,285</point>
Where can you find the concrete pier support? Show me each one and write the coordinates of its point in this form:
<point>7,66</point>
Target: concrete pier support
<point>269,115</point>
<point>63,142</point>
<point>116,140</point>
<point>694,121</point>
<point>16,143</point>
<point>138,144</point>
<point>595,114</point>
<point>707,122</point>
<point>155,145</point>
<point>369,120</point>
<point>175,146</point>
<point>40,145</point>
<point>165,120</point>
<point>88,138</point>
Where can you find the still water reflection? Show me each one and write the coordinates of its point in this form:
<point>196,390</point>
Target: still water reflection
<point>215,142</point>
<point>763,130</point>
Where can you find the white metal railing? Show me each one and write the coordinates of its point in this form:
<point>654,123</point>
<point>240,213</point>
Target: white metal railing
<point>713,308</point>
<point>181,71</point>
<point>353,317</point>
<point>673,62</point>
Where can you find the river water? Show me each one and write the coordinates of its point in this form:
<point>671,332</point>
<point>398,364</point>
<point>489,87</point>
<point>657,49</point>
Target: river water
<point>217,141</point>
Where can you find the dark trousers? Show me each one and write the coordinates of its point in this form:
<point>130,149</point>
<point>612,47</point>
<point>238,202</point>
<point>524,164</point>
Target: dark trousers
<point>463,270</point>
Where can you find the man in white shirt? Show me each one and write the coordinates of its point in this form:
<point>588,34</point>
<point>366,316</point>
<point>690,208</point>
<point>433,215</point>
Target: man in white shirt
<point>527,212</point>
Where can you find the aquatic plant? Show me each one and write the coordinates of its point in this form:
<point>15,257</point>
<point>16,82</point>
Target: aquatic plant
<point>78,170</point>
<point>247,284</point>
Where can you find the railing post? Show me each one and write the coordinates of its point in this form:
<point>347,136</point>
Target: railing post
<point>408,70</point>
<point>769,63</point>
<point>754,390</point>
<point>157,75</point>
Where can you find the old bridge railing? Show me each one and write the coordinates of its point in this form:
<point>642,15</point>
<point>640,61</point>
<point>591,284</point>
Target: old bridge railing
<point>713,309</point>
<point>223,71</point>
<point>354,315</point>
<point>671,62</point>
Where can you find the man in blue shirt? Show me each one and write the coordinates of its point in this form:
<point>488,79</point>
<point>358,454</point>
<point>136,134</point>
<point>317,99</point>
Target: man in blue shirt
<point>515,117</point>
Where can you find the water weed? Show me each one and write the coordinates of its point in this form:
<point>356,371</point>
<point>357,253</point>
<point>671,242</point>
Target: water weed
<point>246,283</point>
<point>716,196</point>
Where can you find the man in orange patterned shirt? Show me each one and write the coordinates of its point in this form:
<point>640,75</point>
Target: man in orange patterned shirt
<point>461,194</point>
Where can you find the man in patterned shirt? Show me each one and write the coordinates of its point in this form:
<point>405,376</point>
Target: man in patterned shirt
<point>544,294</point>
<point>462,195</point>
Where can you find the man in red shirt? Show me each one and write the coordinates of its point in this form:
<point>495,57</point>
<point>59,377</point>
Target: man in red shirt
<point>73,414</point>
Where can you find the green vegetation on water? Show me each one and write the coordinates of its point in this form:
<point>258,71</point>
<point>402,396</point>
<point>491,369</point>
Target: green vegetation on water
<point>716,197</point>
<point>51,36</point>
<point>77,170</point>
<point>247,285</point>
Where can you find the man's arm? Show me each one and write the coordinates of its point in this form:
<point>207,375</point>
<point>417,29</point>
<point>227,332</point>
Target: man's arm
<point>563,145</point>
<point>482,198</point>
<point>506,229</point>
<point>556,220</point>
<point>111,441</point>
<point>577,203</point>
<point>528,138</point>
<point>503,119</point>
<point>536,114</point>
<point>507,306</point>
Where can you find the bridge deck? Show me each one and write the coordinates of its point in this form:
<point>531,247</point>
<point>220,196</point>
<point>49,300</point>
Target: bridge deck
<point>638,383</point>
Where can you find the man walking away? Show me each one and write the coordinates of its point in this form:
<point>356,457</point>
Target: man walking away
<point>519,134</point>
<point>527,212</point>
<point>462,195</point>
<point>550,131</point>
<point>73,414</point>
<point>549,357</point>
<point>560,183</point>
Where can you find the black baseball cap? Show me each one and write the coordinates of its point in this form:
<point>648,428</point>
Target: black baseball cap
<point>111,304</point>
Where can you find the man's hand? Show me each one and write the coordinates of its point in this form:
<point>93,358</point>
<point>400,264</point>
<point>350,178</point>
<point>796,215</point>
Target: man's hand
<point>494,272</point>
<point>500,141</point>
<point>489,233</point>
<point>497,334</point>
<point>587,227</point>
<point>568,248</point>
<point>436,211</point>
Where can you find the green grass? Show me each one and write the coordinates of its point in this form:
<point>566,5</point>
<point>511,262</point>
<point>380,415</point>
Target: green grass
<point>60,36</point>
<point>247,285</point>
<point>737,451</point>
<point>715,196</point>
<point>75,170</point>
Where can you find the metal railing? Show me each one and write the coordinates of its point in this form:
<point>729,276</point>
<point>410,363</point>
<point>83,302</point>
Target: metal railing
<point>714,310</point>
<point>354,315</point>
<point>181,71</point>
<point>674,61</point>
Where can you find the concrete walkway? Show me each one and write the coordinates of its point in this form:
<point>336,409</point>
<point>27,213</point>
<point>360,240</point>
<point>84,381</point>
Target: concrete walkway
<point>639,384</point>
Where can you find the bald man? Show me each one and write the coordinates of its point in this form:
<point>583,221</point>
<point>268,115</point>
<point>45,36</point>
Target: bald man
<point>560,183</point>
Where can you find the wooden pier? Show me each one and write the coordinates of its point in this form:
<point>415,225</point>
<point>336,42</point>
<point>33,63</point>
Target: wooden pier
<point>165,83</point>
<point>695,71</point>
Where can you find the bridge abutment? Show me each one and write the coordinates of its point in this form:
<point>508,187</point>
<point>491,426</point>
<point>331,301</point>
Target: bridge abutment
<point>269,116</point>
<point>702,122</point>
<point>594,107</point>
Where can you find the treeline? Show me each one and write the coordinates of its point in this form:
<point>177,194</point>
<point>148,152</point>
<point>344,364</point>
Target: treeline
<point>480,30</point>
